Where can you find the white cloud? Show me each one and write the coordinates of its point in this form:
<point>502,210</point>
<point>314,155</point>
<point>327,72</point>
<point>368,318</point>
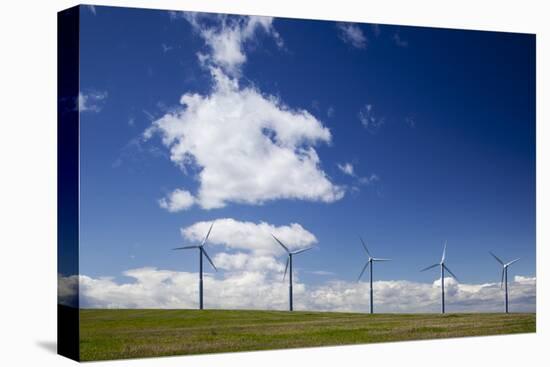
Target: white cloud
<point>399,41</point>
<point>369,121</point>
<point>153,288</point>
<point>346,168</point>
<point>166,48</point>
<point>525,280</point>
<point>67,290</point>
<point>321,272</point>
<point>92,101</point>
<point>247,262</point>
<point>367,180</point>
<point>250,277</point>
<point>247,147</point>
<point>177,200</point>
<point>351,33</point>
<point>226,36</point>
<point>250,289</point>
<point>250,236</point>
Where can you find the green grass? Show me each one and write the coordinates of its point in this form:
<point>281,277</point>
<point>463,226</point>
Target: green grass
<point>115,334</point>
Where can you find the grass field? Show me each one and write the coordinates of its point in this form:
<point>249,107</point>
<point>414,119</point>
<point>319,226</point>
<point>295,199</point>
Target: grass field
<point>114,334</point>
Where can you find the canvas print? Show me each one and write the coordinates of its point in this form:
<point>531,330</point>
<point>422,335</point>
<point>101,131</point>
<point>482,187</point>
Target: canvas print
<point>233,183</point>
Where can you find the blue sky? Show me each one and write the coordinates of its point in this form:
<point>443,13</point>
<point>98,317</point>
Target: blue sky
<point>438,126</point>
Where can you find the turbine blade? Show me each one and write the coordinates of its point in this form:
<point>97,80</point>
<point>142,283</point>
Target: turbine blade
<point>302,250</point>
<point>511,262</point>
<point>444,251</point>
<point>209,259</point>
<point>496,258</point>
<point>450,272</point>
<point>365,246</point>
<point>186,247</point>
<point>430,267</point>
<point>207,235</point>
<point>280,243</point>
<point>502,279</point>
<point>380,259</point>
<point>362,271</point>
<point>286,267</point>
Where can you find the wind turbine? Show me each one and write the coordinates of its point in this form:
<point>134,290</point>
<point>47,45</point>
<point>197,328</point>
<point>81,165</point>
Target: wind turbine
<point>202,251</point>
<point>443,268</point>
<point>289,261</point>
<point>504,277</point>
<point>370,262</point>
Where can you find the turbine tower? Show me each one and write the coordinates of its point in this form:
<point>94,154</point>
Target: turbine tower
<point>289,261</point>
<point>443,268</point>
<point>504,278</point>
<point>202,251</point>
<point>370,262</point>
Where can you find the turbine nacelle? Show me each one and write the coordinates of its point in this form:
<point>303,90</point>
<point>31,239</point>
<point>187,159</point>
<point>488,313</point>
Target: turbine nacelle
<point>443,267</point>
<point>442,263</point>
<point>201,247</point>
<point>504,266</point>
<point>202,251</point>
<point>511,262</point>
<point>289,262</point>
<point>289,253</point>
<point>370,260</point>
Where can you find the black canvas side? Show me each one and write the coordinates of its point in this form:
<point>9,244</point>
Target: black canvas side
<point>67,182</point>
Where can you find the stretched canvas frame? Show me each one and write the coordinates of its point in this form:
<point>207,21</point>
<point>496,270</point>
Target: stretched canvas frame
<point>83,328</point>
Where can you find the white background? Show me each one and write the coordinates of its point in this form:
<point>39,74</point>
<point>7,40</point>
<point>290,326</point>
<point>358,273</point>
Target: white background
<point>28,181</point>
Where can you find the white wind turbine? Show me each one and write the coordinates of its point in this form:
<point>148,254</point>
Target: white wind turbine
<point>370,262</point>
<point>443,267</point>
<point>289,261</point>
<point>504,278</point>
<point>202,251</point>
